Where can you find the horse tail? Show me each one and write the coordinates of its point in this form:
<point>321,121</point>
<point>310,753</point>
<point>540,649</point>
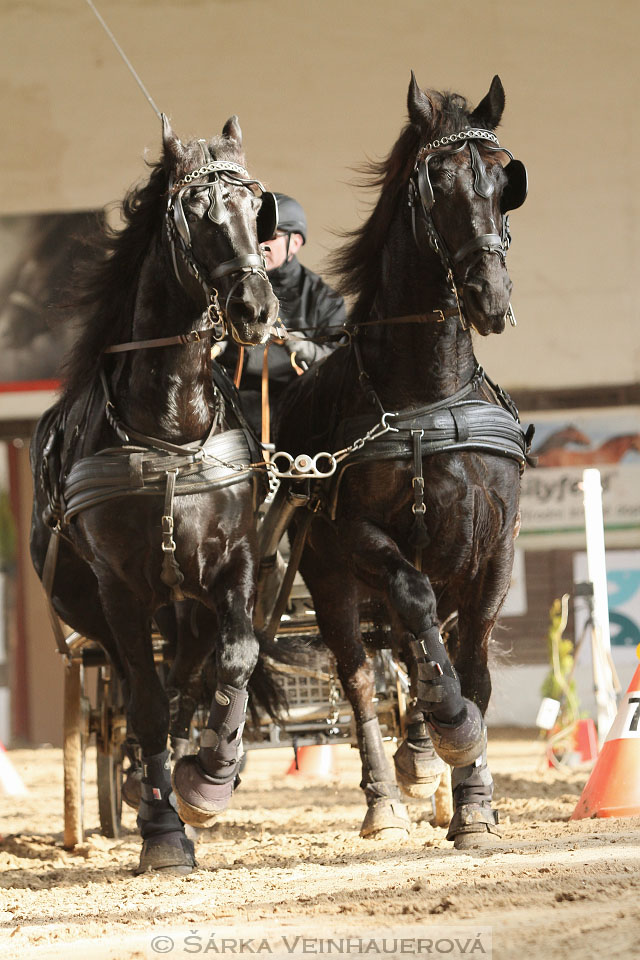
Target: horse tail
<point>278,658</point>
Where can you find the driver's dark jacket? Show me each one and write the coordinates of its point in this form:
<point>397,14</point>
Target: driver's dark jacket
<point>307,304</point>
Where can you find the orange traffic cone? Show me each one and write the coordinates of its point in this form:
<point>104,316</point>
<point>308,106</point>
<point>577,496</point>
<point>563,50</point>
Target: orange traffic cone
<point>613,789</point>
<point>316,760</point>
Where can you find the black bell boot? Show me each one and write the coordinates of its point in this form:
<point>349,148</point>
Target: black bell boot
<point>418,766</point>
<point>204,784</point>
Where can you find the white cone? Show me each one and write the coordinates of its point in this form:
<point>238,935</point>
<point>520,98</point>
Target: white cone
<point>10,780</point>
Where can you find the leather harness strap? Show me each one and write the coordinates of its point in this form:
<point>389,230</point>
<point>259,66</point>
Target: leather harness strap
<point>194,336</point>
<point>48,574</point>
<point>223,460</point>
<point>171,574</point>
<point>237,377</point>
<point>264,397</point>
<point>438,315</point>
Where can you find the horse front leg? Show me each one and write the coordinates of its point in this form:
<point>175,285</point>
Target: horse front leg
<point>474,822</point>
<point>165,846</point>
<point>191,628</point>
<point>337,613</point>
<point>204,783</point>
<point>387,816</point>
<point>452,722</point>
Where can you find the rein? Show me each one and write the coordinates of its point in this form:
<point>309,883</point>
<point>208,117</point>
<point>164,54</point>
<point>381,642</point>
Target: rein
<point>194,336</point>
<point>126,434</point>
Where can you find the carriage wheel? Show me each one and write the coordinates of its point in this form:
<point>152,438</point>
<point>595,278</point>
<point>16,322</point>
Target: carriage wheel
<point>443,800</point>
<point>110,752</point>
<point>74,745</point>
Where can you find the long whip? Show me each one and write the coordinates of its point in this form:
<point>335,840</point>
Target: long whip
<point>125,58</point>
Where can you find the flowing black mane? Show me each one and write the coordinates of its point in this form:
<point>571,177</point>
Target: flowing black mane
<point>356,265</point>
<point>106,281</point>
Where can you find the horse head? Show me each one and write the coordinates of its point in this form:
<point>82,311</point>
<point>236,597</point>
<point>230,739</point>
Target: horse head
<point>217,216</point>
<point>462,193</point>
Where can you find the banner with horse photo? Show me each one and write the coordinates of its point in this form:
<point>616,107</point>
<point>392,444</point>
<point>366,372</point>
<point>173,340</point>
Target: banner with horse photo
<point>38,256</point>
<point>566,443</point>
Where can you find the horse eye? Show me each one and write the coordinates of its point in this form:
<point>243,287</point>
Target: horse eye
<point>445,181</point>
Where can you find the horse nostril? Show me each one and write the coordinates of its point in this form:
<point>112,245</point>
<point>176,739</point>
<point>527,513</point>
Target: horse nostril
<point>249,310</point>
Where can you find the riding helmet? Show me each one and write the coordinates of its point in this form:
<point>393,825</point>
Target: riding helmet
<point>291,216</point>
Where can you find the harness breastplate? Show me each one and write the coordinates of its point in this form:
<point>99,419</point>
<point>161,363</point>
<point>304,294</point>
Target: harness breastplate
<point>134,471</point>
<point>465,424</point>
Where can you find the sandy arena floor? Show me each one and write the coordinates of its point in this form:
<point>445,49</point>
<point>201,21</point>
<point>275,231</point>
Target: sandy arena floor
<point>287,857</point>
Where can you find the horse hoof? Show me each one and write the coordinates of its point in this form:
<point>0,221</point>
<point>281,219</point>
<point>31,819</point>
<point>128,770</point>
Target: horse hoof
<point>418,769</point>
<point>473,825</point>
<point>386,819</point>
<point>199,799</point>
<point>472,841</point>
<point>171,853</point>
<point>132,787</point>
<point>462,743</point>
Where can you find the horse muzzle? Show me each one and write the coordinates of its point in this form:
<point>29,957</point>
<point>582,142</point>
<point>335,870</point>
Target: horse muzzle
<point>252,319</point>
<point>486,295</point>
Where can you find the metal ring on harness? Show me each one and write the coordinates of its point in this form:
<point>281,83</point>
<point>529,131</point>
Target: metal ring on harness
<point>303,466</point>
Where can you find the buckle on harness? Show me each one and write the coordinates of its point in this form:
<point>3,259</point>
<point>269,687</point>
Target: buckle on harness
<point>168,543</point>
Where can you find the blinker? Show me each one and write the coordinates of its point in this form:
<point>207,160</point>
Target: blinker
<point>516,188</point>
<point>267,220</point>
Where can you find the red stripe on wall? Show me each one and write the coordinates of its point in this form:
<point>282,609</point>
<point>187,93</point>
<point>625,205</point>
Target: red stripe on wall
<point>20,386</point>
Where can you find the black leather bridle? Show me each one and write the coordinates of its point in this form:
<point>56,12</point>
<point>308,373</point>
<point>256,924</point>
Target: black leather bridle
<point>422,200</point>
<point>179,237</point>
<point>217,172</point>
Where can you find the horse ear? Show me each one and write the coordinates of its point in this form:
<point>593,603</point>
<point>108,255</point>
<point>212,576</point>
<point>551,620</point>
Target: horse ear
<point>488,113</point>
<point>419,105</point>
<point>173,148</point>
<point>232,131</point>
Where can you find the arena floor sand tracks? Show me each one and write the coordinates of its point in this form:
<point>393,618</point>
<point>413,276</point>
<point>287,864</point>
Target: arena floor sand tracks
<point>288,853</point>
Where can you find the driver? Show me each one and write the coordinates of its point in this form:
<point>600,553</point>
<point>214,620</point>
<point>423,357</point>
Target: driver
<point>308,307</point>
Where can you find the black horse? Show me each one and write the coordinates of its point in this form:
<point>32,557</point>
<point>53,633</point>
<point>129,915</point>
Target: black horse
<point>420,520</point>
<point>141,469</point>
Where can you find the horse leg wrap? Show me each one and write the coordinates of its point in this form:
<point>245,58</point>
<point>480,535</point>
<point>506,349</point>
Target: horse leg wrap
<point>221,740</point>
<point>182,707</point>
<point>204,783</point>
<point>437,683</point>
<point>156,812</point>
<point>472,794</point>
<point>455,724</point>
<point>131,788</point>
<point>165,846</point>
<point>377,776</point>
<point>385,809</point>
